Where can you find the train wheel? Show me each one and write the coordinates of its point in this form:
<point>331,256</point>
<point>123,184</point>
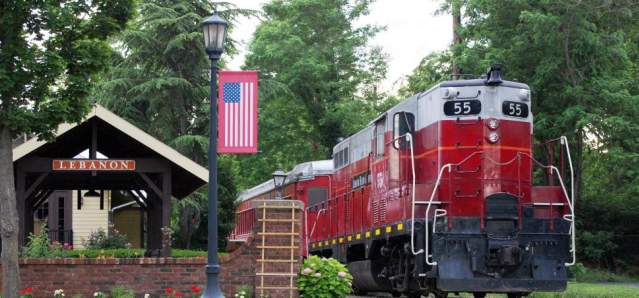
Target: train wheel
<point>479,295</point>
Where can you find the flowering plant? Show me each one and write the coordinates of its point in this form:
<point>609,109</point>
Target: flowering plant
<point>99,295</point>
<point>26,293</point>
<point>243,292</point>
<point>322,277</point>
<point>59,293</point>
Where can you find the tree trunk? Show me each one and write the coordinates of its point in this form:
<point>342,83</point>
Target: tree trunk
<point>456,12</point>
<point>9,220</point>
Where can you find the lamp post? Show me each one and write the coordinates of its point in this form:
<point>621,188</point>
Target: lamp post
<point>278,179</point>
<point>214,28</point>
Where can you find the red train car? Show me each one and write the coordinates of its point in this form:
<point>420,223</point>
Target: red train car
<point>436,195</point>
<point>441,194</point>
<point>306,182</point>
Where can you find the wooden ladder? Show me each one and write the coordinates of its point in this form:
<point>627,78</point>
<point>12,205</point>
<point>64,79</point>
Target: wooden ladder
<point>263,259</point>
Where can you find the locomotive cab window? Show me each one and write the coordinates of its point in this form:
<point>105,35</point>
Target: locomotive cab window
<point>403,123</point>
<point>341,158</point>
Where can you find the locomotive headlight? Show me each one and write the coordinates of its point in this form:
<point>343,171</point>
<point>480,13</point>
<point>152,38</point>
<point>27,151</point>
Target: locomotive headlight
<point>493,123</point>
<point>449,93</point>
<point>493,137</point>
<point>524,95</point>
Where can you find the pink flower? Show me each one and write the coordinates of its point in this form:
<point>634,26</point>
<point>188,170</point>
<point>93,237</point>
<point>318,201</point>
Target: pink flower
<point>307,271</point>
<point>318,274</point>
<point>341,274</point>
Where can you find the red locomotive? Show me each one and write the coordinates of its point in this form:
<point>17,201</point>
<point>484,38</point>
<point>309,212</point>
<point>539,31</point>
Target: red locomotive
<point>439,194</point>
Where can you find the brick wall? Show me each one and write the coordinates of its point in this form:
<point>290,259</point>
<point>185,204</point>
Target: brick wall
<point>153,275</point>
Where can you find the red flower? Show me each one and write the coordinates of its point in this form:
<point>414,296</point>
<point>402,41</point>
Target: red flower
<point>168,291</point>
<point>179,294</point>
<point>29,290</point>
<point>195,289</point>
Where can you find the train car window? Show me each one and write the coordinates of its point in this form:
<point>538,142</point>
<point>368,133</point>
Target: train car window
<point>346,156</point>
<point>380,129</point>
<point>403,123</point>
<point>317,195</point>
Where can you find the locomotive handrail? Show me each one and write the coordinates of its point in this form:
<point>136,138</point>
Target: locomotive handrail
<point>430,201</point>
<point>315,223</point>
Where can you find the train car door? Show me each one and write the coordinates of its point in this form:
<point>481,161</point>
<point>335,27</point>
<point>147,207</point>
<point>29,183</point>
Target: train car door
<point>403,124</point>
<point>379,171</point>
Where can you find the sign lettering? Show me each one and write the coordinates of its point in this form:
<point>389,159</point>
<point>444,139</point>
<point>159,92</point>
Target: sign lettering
<point>92,165</point>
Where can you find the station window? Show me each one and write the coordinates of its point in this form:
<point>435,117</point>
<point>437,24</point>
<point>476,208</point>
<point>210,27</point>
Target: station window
<point>403,123</point>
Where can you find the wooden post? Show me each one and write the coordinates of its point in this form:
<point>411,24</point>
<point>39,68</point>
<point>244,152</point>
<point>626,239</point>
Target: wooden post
<point>20,189</point>
<point>166,213</point>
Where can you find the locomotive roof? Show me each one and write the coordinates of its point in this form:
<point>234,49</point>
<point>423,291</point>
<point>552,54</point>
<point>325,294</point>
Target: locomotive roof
<point>443,84</point>
<point>301,171</point>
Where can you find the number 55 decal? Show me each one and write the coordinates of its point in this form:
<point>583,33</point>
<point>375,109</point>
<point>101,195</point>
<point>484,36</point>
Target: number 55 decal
<point>515,109</point>
<point>462,107</point>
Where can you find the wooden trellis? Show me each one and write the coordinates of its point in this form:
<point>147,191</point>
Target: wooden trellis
<point>279,248</point>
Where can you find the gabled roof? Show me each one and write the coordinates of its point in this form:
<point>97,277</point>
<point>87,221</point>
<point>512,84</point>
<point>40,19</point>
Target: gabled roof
<point>125,140</point>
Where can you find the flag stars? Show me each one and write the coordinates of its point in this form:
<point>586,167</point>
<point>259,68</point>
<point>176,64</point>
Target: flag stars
<point>231,92</point>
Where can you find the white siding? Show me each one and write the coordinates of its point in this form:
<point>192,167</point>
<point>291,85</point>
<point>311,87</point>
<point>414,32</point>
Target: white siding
<point>89,218</point>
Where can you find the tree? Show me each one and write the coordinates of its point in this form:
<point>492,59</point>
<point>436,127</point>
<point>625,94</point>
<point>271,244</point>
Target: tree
<point>318,80</point>
<point>50,52</point>
<point>161,83</point>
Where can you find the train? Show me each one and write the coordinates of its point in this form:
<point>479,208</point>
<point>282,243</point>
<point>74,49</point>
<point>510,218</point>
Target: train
<point>440,194</point>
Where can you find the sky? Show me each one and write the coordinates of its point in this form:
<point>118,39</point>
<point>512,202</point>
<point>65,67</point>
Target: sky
<point>412,32</point>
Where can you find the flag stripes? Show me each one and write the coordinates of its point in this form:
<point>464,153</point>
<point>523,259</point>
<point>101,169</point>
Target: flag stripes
<point>238,112</point>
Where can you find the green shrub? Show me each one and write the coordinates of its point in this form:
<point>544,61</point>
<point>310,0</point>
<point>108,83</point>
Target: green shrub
<point>121,292</point>
<point>185,253</point>
<point>39,246</point>
<point>324,278</point>
<point>105,253</point>
<point>101,240</point>
<point>244,292</point>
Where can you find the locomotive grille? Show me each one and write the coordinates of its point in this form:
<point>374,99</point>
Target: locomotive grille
<point>375,213</point>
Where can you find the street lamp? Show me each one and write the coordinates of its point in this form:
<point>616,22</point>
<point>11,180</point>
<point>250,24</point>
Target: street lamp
<point>214,28</point>
<point>278,179</point>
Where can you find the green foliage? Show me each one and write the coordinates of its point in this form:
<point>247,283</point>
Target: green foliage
<point>105,253</point>
<point>324,278</point>
<point>591,290</point>
<point>318,81</point>
<point>39,246</point>
<point>102,240</point>
<point>50,52</point>
<point>581,273</point>
<point>121,292</point>
<point>244,292</point>
<point>113,253</point>
<point>185,253</point>
<point>161,83</point>
<point>433,69</point>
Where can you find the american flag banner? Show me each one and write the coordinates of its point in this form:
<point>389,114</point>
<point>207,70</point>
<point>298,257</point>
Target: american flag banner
<point>237,112</point>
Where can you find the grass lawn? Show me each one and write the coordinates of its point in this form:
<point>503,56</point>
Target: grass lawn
<point>588,290</point>
<point>584,290</point>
